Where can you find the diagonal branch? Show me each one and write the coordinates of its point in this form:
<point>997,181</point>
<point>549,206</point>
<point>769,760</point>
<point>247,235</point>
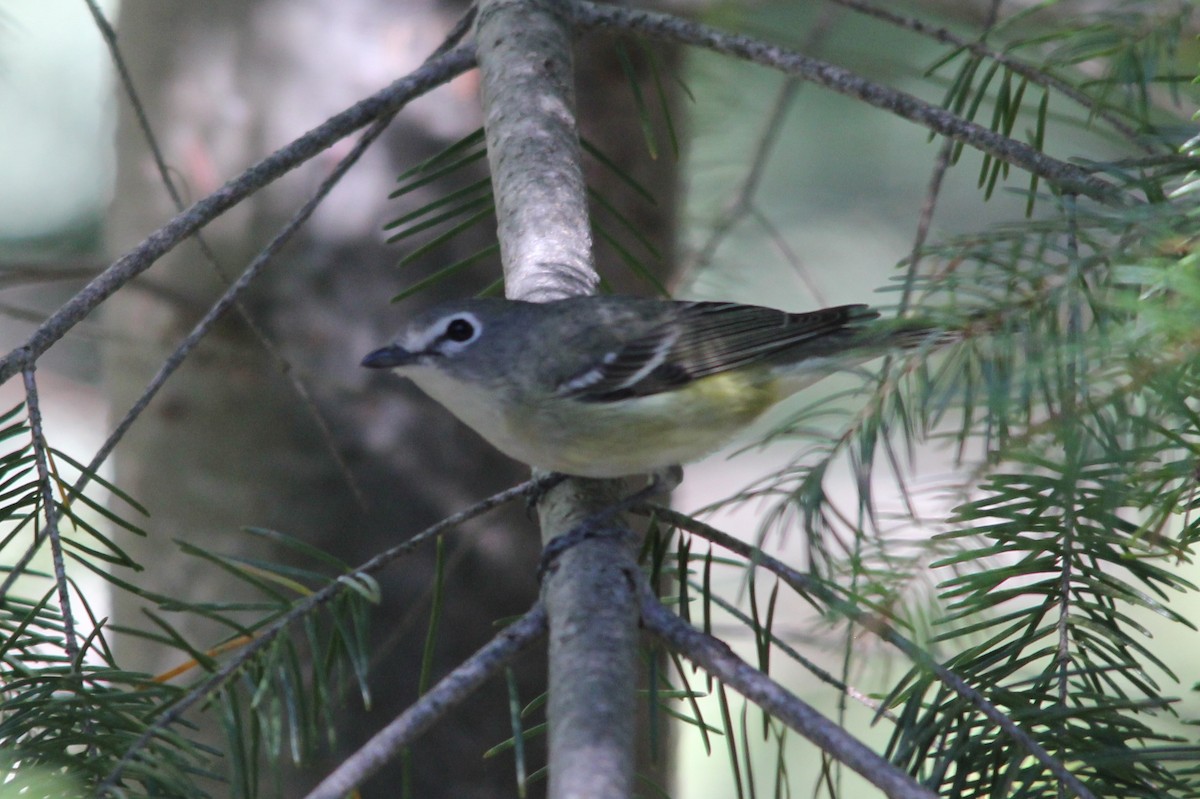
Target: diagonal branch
<point>815,589</point>
<point>718,659</point>
<point>41,457</point>
<point>265,636</point>
<point>1066,177</point>
<point>433,73</point>
<point>450,692</point>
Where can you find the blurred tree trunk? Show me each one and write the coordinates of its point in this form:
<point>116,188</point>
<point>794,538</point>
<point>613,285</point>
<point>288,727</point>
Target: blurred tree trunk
<point>230,442</point>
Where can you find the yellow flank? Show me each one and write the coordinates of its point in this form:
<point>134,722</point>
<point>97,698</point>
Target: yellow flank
<point>608,439</point>
<point>741,395</point>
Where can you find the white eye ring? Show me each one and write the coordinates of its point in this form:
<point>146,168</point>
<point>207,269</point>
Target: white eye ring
<point>457,332</point>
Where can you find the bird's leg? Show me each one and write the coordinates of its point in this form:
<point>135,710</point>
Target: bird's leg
<point>665,480</point>
<point>543,482</point>
<point>601,523</point>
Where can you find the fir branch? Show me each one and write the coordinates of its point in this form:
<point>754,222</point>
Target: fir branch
<point>264,637</point>
<point>719,660</point>
<point>812,588</point>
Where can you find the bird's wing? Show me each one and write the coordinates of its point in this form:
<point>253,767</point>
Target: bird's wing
<point>706,338</point>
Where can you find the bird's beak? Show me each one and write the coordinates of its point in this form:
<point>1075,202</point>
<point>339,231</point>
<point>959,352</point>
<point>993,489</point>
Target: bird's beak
<point>389,357</point>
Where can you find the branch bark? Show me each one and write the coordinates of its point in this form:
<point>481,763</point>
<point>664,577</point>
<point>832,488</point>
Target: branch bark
<point>527,78</point>
<point>591,597</point>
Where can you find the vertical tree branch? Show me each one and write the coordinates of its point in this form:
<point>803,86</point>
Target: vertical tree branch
<point>524,55</point>
<point>533,149</point>
<point>591,598</point>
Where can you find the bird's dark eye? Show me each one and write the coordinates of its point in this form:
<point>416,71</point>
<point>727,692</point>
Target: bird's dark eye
<point>460,330</point>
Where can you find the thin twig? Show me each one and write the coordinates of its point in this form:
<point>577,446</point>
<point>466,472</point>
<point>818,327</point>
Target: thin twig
<point>743,201</point>
<point>812,668</point>
<point>50,507</point>
<point>231,298</point>
<point>715,657</point>
<point>940,166</point>
<point>449,692</point>
<point>139,111</point>
<point>1036,75</point>
<point>775,236</point>
<point>1061,174</point>
<point>457,33</point>
<point>433,73</point>
<point>925,222</point>
<point>744,197</point>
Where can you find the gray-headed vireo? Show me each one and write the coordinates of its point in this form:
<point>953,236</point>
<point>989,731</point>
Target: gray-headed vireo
<point>611,386</point>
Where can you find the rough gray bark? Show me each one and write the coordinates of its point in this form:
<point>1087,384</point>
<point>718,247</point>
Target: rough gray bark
<point>591,599</point>
<point>528,88</point>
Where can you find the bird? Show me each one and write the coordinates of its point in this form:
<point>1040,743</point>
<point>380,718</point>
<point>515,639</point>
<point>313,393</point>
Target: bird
<point>609,386</point>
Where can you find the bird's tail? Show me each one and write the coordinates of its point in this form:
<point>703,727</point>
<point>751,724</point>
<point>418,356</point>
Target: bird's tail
<point>908,334</point>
